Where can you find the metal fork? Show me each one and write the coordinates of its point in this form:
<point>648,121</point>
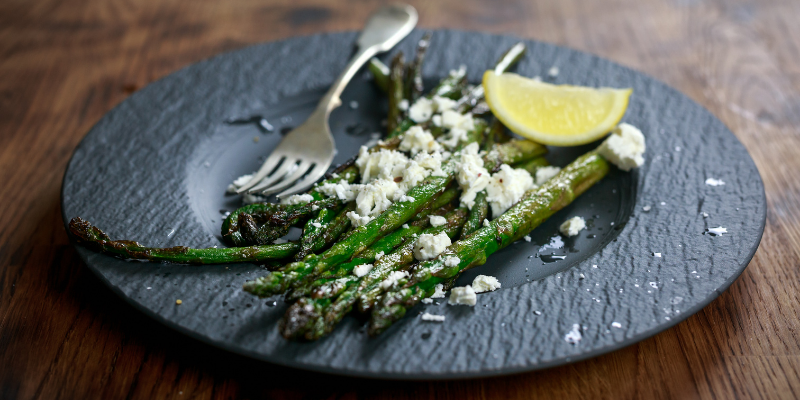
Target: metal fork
<point>307,151</point>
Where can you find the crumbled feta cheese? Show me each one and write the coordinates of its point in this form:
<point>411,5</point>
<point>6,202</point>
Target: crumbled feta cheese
<point>378,255</point>
<point>506,187</point>
<point>453,119</point>
<point>416,139</point>
<point>432,162</point>
<point>429,246</point>
<point>361,270</point>
<point>443,103</point>
<point>572,226</point>
<point>432,317</point>
<point>316,224</point>
<point>314,207</point>
<point>438,291</point>
<point>427,300</point>
<point>358,220</point>
<point>405,198</point>
<point>413,175</point>
<point>714,182</point>
<point>374,198</point>
<point>657,255</point>
<point>573,336</point>
<point>527,238</point>
<point>437,120</point>
<point>452,261</point>
<point>403,105</point>
<point>485,283</point>
<point>544,174</point>
<point>437,220</point>
<point>471,175</point>
<point>718,231</point>
<point>553,71</point>
<point>463,295</point>
<point>421,110</point>
<point>385,164</point>
<point>486,223</point>
<point>624,147</point>
<point>456,136</point>
<point>393,279</point>
<point>405,226</point>
<point>298,199</point>
<point>239,182</point>
<point>341,190</point>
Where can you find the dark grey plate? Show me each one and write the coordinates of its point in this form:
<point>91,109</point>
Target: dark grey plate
<point>155,168</point>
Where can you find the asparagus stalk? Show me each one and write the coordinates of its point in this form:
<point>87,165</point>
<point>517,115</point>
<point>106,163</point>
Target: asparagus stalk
<point>414,86</point>
<point>478,213</point>
<point>313,317</point>
<point>396,95</point>
<point>533,209</point>
<point>96,239</point>
<point>380,72</point>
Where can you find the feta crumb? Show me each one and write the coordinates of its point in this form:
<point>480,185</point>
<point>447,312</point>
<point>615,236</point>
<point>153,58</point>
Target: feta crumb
<point>403,104</point>
<point>453,119</point>
<point>430,246</point>
<point>624,147</point>
<point>485,283</point>
<point>378,255</point>
<point>417,139</point>
<point>437,220</point>
<point>714,182</point>
<point>718,231</point>
<point>432,317</point>
<point>572,226</point>
<point>438,291</point>
<point>527,238</point>
<point>405,226</point>
<point>553,71</point>
<point>646,208</point>
<point>404,198</point>
<point>361,270</point>
<point>472,176</point>
<point>384,164</point>
<point>544,174</point>
<point>314,207</point>
<point>444,103</point>
<point>358,220</point>
<point>248,198</point>
<point>421,110</point>
<point>393,279</point>
<point>616,325</point>
<point>486,223</point>
<point>316,224</point>
<point>341,190</point>
<point>427,300</point>
<point>298,199</point>
<point>413,174</point>
<point>462,295</point>
<point>657,255</point>
<point>437,120</point>
<point>239,182</point>
<point>452,261</point>
<point>507,187</point>
<point>456,136</point>
<point>573,336</point>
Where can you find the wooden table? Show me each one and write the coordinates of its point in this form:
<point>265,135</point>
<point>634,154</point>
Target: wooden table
<point>64,64</point>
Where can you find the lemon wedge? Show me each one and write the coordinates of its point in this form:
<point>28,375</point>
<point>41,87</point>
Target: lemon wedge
<point>557,115</point>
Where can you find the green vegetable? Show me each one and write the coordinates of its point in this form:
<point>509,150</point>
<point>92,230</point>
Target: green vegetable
<point>534,208</point>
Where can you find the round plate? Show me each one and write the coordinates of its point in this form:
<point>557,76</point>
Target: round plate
<point>155,168</point>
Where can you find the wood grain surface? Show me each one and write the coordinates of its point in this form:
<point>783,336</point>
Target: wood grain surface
<point>63,64</point>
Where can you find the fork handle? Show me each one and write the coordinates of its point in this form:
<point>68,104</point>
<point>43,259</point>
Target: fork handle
<point>331,100</point>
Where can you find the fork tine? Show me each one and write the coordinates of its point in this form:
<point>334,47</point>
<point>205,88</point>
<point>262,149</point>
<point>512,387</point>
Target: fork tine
<point>285,168</point>
<point>289,179</point>
<point>266,168</point>
<point>312,177</point>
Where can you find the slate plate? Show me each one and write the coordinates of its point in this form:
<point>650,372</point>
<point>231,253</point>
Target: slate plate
<point>155,168</point>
